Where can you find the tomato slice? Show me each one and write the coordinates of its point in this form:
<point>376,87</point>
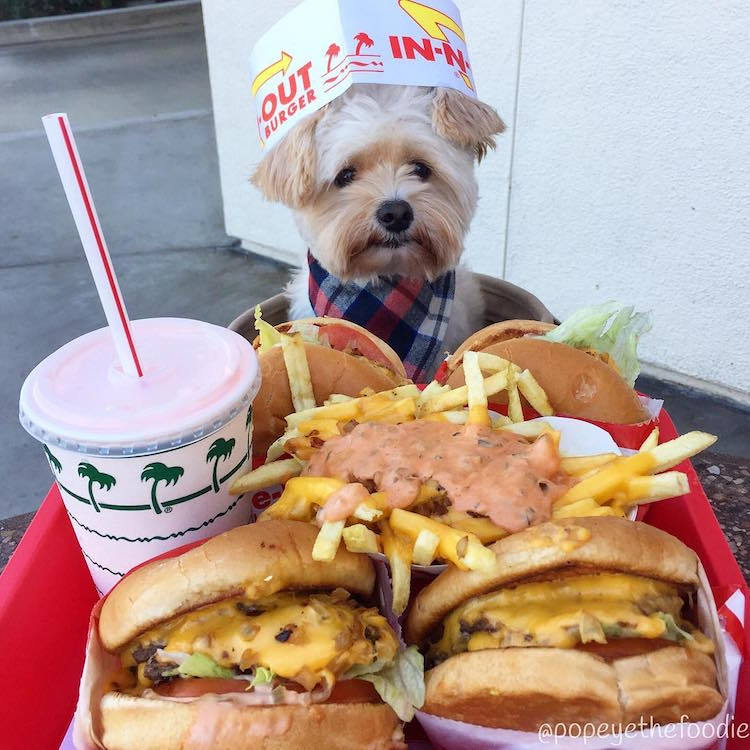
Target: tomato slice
<point>192,687</point>
<point>354,691</point>
<point>345,339</point>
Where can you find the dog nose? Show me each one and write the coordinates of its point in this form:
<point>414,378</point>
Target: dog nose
<point>395,216</point>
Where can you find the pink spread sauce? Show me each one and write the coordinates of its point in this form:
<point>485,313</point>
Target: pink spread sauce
<point>483,471</point>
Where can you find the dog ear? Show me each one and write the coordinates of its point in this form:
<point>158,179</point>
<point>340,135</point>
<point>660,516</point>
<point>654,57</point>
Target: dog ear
<point>465,121</point>
<point>287,172</point>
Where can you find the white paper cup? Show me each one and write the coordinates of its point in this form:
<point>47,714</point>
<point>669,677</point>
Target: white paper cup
<point>145,465</point>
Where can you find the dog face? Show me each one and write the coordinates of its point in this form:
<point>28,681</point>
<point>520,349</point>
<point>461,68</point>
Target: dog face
<point>382,179</point>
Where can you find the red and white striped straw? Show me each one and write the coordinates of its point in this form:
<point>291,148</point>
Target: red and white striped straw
<point>77,191</point>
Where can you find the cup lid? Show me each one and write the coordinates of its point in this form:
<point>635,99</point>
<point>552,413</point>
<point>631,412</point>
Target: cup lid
<point>197,376</point>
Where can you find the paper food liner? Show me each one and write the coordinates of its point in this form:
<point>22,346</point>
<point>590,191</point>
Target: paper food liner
<point>99,664</point>
<point>449,734</point>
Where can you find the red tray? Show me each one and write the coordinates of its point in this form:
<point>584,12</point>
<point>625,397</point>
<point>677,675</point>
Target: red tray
<point>46,595</point>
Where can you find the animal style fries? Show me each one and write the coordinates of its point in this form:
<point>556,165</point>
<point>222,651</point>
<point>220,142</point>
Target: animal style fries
<point>429,528</point>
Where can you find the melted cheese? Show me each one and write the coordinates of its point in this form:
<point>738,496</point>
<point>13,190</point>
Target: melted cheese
<point>310,636</point>
<point>562,614</point>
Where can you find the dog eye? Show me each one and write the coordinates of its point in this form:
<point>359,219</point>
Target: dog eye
<point>421,170</point>
<point>345,177</point>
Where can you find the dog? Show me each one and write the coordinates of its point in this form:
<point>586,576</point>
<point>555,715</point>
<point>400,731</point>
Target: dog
<point>381,182</point>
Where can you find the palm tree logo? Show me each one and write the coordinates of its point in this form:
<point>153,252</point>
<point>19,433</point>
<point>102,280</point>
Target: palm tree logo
<point>158,472</point>
<point>53,460</point>
<point>362,40</point>
<point>332,51</point>
<point>105,481</point>
<point>220,450</point>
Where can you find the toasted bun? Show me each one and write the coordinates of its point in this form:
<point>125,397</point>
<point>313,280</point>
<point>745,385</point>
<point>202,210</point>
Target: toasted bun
<point>545,551</point>
<point>523,688</point>
<point>259,559</point>
<point>576,384</point>
<point>386,351</point>
<point>164,725</point>
<point>496,334</point>
<point>331,371</point>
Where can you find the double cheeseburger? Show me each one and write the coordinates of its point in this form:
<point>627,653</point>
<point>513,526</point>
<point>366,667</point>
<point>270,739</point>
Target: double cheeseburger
<point>246,642</point>
<point>580,380</point>
<point>342,357</point>
<point>582,620</point>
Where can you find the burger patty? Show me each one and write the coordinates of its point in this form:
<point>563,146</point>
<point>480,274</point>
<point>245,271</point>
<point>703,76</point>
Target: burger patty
<point>305,638</point>
<point>570,612</point>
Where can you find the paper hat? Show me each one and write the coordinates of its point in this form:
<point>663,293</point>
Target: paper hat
<point>322,47</point>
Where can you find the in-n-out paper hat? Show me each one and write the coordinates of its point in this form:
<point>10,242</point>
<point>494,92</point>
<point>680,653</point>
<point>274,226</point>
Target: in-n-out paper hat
<point>322,47</point>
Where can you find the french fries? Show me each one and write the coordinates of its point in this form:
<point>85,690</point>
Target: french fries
<point>399,557</point>
<point>482,528</point>
<point>300,384</point>
<point>651,441</point>
<point>640,490</point>
<point>675,451</point>
<point>475,396</point>
<point>300,495</point>
<point>579,465</point>
<point>601,485</point>
<point>606,484</point>
<point>534,394</point>
<point>492,363</point>
<point>458,397</point>
<point>461,548</point>
<point>277,472</point>
<point>617,475</point>
<point>327,541</point>
<point>515,412</point>
<point>358,538</point>
<point>425,547</point>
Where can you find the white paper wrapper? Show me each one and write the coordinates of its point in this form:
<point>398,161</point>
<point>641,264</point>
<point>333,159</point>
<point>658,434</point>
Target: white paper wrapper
<point>456,735</point>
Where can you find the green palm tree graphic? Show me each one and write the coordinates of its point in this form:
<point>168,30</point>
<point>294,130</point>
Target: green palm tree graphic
<point>53,460</point>
<point>158,472</point>
<point>220,450</point>
<point>105,481</point>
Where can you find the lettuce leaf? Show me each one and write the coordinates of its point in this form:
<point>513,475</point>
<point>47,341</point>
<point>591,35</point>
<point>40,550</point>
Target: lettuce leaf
<point>673,632</point>
<point>262,676</point>
<point>399,683</point>
<point>269,336</point>
<point>610,328</point>
<point>200,665</point>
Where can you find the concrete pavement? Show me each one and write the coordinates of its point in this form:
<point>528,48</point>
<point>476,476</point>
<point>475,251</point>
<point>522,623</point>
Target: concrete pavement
<point>140,106</point>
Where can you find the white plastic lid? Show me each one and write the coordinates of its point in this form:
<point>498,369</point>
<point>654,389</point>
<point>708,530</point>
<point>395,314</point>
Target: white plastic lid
<point>197,376</point>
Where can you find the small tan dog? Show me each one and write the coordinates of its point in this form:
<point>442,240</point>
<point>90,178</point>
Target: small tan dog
<point>381,181</point>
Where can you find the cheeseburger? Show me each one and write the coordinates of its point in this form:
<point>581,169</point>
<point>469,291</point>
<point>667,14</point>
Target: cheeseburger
<point>342,357</point>
<point>584,620</point>
<point>587,366</point>
<point>245,641</point>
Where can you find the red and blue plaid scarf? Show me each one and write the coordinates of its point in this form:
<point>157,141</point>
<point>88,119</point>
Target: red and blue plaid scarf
<point>410,315</point>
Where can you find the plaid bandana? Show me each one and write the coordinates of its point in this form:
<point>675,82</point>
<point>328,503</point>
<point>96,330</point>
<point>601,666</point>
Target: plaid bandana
<point>410,315</point>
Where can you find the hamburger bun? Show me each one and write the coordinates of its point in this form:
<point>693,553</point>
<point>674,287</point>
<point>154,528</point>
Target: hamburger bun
<point>577,383</point>
<point>331,371</point>
<point>145,724</point>
<point>524,688</point>
<point>260,559</point>
<point>552,549</point>
<point>606,684</point>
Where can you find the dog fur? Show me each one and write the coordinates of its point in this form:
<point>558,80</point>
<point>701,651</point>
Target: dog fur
<point>384,137</point>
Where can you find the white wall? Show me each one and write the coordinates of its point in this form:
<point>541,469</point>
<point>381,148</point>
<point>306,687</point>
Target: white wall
<point>627,155</point>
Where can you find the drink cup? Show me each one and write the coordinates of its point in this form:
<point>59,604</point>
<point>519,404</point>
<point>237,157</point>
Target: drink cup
<point>145,464</point>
